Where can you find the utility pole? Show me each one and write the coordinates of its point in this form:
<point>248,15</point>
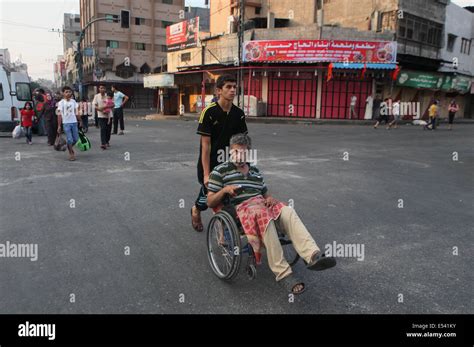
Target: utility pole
<point>80,71</point>
<point>240,78</point>
<point>320,17</point>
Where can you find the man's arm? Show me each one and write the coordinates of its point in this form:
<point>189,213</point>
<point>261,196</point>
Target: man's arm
<point>206,157</point>
<point>215,199</point>
<point>125,99</point>
<point>60,122</point>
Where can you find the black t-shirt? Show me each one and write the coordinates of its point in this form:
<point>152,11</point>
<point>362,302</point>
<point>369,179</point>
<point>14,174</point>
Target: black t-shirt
<point>220,126</point>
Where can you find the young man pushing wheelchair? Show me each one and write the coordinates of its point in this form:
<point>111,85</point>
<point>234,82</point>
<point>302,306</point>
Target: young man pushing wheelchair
<point>260,214</point>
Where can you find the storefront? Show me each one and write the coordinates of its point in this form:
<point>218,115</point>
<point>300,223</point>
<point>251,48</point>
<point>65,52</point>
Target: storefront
<point>425,87</point>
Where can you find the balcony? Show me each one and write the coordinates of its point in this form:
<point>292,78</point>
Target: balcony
<point>252,3</point>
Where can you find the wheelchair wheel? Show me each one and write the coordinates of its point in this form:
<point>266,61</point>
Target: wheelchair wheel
<point>223,246</point>
<point>289,251</point>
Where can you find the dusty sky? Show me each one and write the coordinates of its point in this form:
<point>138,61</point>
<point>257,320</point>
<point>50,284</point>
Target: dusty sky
<point>25,30</point>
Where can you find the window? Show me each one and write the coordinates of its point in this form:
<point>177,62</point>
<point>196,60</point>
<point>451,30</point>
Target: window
<point>409,29</point>
<point>111,18</point>
<point>77,19</point>
<point>258,10</point>
<point>420,30</point>
<point>186,57</point>
<point>402,30</point>
<point>166,23</point>
<point>169,2</point>
<point>139,46</point>
<point>145,69</point>
<point>139,21</point>
<point>77,33</point>
<point>451,42</point>
<point>1,91</point>
<point>23,92</point>
<point>465,46</point>
<point>112,44</point>
<point>164,48</point>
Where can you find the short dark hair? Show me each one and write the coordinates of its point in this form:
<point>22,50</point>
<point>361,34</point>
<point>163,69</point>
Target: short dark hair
<point>101,85</point>
<point>66,88</point>
<point>111,94</point>
<point>222,80</point>
<point>41,90</point>
<point>113,86</point>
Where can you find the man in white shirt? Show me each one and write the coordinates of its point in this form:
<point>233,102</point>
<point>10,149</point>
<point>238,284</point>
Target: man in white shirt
<point>105,121</point>
<point>353,106</point>
<point>68,117</point>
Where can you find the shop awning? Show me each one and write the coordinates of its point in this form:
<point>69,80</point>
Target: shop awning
<point>382,66</point>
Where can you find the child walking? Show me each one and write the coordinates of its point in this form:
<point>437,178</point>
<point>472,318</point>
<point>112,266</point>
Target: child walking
<point>27,114</point>
<point>69,119</point>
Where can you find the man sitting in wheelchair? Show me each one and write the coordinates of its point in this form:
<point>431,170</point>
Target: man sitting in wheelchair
<point>260,214</point>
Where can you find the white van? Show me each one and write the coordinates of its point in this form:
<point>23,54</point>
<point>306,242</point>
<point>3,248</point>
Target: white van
<point>14,92</point>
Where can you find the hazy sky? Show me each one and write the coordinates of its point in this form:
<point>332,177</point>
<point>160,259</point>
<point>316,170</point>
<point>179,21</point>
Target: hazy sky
<point>25,26</point>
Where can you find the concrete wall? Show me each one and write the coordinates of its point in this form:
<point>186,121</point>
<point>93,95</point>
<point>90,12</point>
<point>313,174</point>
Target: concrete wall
<point>311,32</point>
<point>355,13</point>
<point>459,22</point>
<point>299,12</point>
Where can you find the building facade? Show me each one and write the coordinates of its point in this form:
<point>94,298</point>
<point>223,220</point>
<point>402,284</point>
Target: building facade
<point>291,88</point>
<point>123,56</point>
<point>426,33</point>
<point>71,31</point>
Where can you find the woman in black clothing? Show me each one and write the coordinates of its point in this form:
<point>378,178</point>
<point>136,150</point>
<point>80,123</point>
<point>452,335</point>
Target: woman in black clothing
<point>50,118</point>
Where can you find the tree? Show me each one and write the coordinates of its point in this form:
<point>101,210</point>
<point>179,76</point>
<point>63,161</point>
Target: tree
<point>42,83</point>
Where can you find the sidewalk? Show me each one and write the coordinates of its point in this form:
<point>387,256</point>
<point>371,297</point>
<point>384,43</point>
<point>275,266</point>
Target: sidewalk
<point>283,120</point>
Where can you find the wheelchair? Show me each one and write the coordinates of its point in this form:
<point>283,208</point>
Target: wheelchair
<point>227,246</point>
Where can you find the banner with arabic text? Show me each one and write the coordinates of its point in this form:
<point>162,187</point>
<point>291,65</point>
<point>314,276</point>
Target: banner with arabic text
<point>320,51</point>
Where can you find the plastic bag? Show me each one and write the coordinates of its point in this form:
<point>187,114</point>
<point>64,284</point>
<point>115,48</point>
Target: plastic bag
<point>60,143</point>
<point>18,132</point>
<point>83,143</point>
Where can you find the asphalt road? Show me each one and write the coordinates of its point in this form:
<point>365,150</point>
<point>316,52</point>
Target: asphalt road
<point>137,203</point>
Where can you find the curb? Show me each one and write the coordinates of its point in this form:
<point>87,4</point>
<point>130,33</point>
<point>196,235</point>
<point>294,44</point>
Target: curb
<point>277,120</point>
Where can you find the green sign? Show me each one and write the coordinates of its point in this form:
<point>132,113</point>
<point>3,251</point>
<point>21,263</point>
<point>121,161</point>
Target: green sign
<point>420,80</point>
<point>426,80</point>
<point>461,84</point>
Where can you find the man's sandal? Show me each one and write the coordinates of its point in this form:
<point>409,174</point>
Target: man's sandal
<point>291,282</point>
<point>196,222</point>
<point>319,262</point>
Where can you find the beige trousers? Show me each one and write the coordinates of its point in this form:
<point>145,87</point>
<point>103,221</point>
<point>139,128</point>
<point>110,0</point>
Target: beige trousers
<point>291,225</point>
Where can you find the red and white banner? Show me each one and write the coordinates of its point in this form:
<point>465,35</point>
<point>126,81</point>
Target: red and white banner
<point>182,35</point>
<point>320,51</point>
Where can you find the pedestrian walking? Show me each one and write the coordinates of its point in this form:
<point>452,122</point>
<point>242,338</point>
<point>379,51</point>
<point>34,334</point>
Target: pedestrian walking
<point>50,118</point>
<point>376,107</point>
<point>120,99</point>
<point>68,117</point>
<point>40,101</point>
<point>433,114</point>
<point>85,111</point>
<point>384,112</point>
<point>452,109</point>
<point>27,115</point>
<point>396,115</point>
<point>352,109</point>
